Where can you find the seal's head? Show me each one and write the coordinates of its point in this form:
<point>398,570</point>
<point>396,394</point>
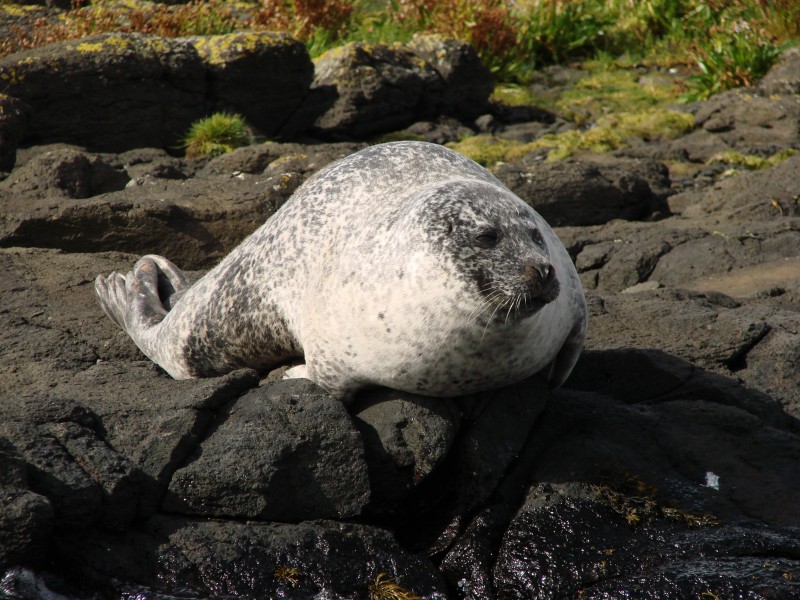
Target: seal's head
<point>497,243</point>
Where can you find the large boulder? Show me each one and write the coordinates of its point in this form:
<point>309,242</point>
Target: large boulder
<point>194,221</point>
<point>363,89</point>
<point>109,91</point>
<point>119,91</point>
<point>263,76</point>
<point>468,82</point>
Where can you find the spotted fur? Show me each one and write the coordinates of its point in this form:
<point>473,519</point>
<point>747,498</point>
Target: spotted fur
<point>404,265</point>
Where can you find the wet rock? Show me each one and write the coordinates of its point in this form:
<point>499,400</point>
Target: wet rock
<point>264,76</point>
<point>545,554</point>
<point>494,430</point>
<point>634,466</point>
<point>373,88</point>
<point>284,452</point>
<point>13,124</point>
<point>108,92</point>
<point>229,559</point>
<point>468,83</point>
<point>65,173</point>
<point>406,437</point>
<point>576,193</point>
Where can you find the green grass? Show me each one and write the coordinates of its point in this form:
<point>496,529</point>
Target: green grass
<point>216,135</point>
<point>726,43</point>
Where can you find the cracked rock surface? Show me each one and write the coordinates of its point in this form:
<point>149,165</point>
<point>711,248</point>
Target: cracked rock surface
<point>668,466</point>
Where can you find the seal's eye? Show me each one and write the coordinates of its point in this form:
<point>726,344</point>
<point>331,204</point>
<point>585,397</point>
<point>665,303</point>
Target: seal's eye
<point>488,238</point>
<point>537,238</point>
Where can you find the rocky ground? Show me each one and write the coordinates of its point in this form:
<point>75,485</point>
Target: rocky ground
<point>668,466</point>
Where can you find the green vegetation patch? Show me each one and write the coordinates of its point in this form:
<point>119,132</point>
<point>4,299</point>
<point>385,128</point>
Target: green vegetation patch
<point>215,135</point>
<point>609,133</point>
<point>750,161</point>
<point>610,91</point>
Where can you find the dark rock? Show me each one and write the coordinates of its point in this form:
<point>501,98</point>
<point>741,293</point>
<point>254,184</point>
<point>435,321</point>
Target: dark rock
<point>639,464</point>
<point>654,172</point>
<point>755,195</point>
<point>376,88</point>
<point>159,422</point>
<point>468,83</point>
<point>579,193</point>
<point>206,558</point>
<point>146,163</point>
<point>65,173</point>
<point>783,78</point>
<point>752,123</point>
<point>684,324</point>
<point>697,262</point>
<point>276,159</point>
<point>85,480</point>
<point>108,92</point>
<point>494,431</point>
<point>284,452</point>
<point>443,130</point>
<point>406,437</point>
<point>263,76</point>
<point>13,125</point>
<point>182,220</point>
<point>772,365</point>
<point>26,518</point>
<point>518,114</point>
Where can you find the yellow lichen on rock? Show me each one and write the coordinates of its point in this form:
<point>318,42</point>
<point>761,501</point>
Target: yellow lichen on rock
<point>89,47</point>
<point>218,49</point>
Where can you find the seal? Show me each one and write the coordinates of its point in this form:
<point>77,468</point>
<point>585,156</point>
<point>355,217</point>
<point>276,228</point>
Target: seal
<point>404,265</point>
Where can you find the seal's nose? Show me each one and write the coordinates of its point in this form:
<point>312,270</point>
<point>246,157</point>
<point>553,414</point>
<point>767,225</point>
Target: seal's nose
<point>539,272</point>
<point>541,277</point>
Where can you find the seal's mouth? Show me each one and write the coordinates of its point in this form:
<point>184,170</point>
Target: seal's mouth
<point>537,287</point>
<point>507,309</point>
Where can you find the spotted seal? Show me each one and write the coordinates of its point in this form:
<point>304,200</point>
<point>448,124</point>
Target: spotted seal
<point>404,265</point>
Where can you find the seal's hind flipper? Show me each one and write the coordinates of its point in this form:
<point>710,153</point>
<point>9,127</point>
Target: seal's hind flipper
<point>172,283</point>
<point>134,301</point>
<point>113,296</point>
